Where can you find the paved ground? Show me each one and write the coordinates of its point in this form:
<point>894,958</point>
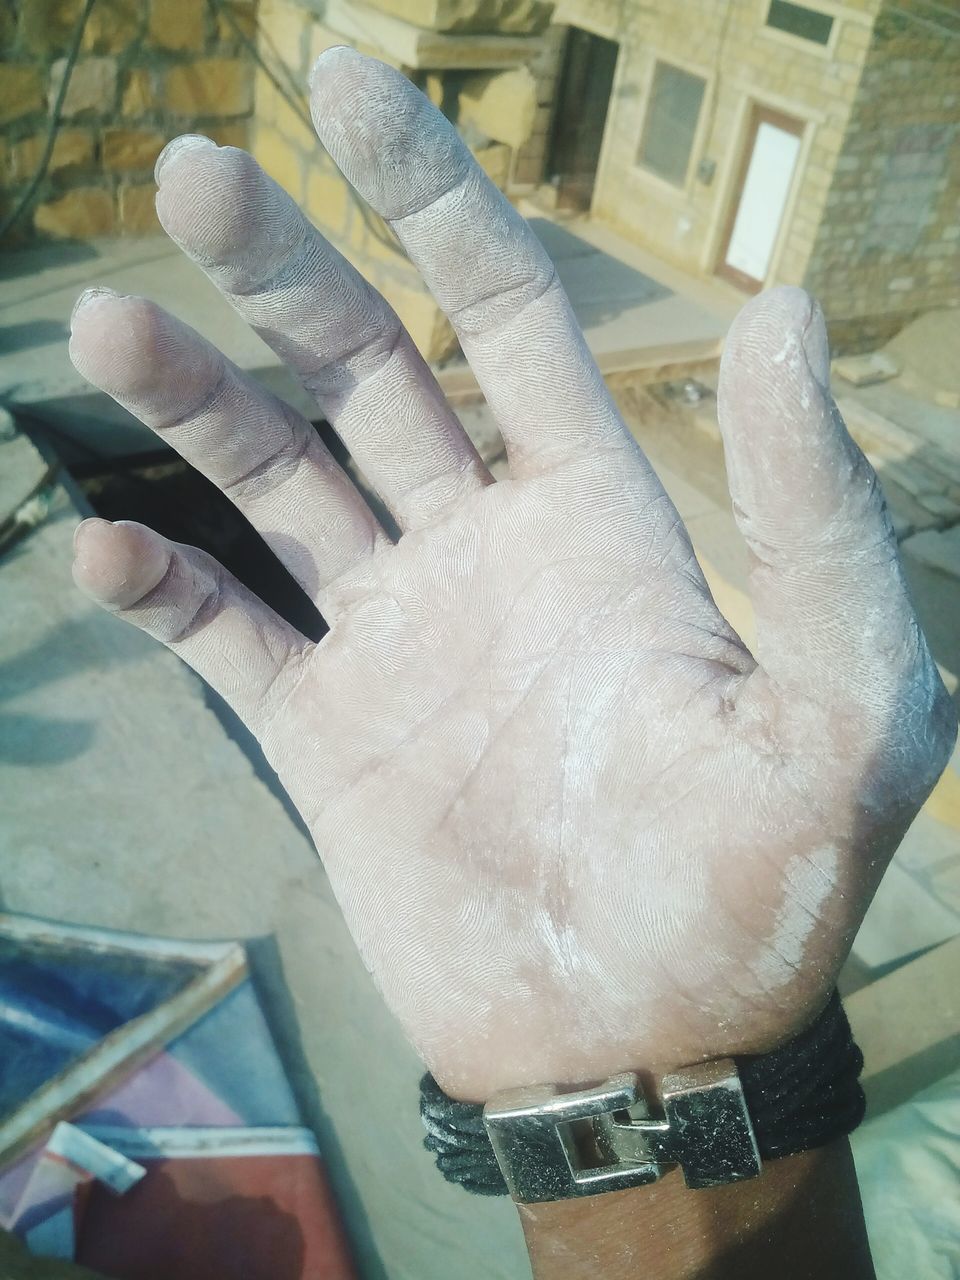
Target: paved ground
<point>627,302</point>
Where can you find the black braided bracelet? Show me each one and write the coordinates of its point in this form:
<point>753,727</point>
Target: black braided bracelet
<point>800,1096</point>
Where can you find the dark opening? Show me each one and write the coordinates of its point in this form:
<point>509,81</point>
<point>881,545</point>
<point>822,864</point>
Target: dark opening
<point>800,21</point>
<point>159,489</point>
<point>583,99</point>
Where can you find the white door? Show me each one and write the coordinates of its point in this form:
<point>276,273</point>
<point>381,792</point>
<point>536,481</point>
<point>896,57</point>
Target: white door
<point>763,198</point>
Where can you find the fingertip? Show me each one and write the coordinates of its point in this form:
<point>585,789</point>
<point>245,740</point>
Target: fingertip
<point>85,532</point>
<point>770,320</point>
<point>101,324</point>
<point>327,59</point>
<point>146,359</point>
<point>203,192</point>
<point>791,303</point>
<point>341,59</point>
<point>384,135</point>
<point>177,148</point>
<point>118,564</point>
<point>777,349</point>
<point>87,298</point>
<point>226,213</point>
<point>91,550</point>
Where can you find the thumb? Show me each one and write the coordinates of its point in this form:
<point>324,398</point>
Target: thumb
<point>835,624</point>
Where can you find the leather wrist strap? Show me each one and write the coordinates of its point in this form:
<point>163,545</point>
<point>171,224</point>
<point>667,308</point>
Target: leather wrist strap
<point>720,1121</point>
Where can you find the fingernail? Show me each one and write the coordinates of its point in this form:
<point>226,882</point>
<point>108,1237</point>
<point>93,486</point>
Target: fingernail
<point>83,529</point>
<point>816,346</point>
<point>97,291</point>
<point>334,48</point>
<point>186,142</point>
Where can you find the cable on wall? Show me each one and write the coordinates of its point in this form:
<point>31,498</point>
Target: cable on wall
<point>292,98</point>
<point>55,121</point>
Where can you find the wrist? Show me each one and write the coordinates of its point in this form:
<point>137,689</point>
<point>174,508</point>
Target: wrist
<point>801,1217</point>
<point>539,1052</point>
<point>719,1120</point>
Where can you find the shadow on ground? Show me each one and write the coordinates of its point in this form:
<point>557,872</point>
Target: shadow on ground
<point>602,286</point>
<point>266,968</point>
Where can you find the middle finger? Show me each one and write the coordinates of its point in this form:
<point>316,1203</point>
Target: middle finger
<point>331,327</point>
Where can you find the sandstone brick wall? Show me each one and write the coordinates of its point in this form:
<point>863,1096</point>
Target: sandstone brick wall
<point>464,62</point>
<point>742,62</point>
<point>530,158</point>
<point>888,244</point>
<point>147,71</point>
<point>873,226</point>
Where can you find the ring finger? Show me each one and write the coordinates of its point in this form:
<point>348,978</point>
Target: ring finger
<point>262,454</point>
<point>333,329</point>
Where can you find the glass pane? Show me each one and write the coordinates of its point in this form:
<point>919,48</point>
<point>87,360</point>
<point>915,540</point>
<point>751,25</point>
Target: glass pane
<point>672,116</point>
<point>800,21</point>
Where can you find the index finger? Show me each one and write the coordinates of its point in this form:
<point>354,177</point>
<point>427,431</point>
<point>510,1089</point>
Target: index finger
<point>476,253</point>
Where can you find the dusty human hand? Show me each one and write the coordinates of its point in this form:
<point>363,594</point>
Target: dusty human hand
<point>574,825</point>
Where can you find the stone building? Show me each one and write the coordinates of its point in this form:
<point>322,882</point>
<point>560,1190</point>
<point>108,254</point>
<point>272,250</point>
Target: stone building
<point>757,141</point>
<point>750,141</point>
<point>769,142</point>
<point>143,72</point>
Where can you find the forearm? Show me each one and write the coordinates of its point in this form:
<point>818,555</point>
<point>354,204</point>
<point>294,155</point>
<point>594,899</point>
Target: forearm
<point>801,1218</point>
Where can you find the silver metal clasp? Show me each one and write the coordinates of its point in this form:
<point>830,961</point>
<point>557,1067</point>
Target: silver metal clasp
<point>554,1146</point>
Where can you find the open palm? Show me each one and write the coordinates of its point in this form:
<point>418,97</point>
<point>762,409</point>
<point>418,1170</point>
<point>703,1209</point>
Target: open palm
<point>574,826</point>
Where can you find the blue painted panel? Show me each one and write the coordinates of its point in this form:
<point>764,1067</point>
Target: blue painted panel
<point>56,1002</point>
<point>232,1052</point>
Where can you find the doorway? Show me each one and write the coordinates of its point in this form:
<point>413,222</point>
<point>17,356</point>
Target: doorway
<point>763,186</point>
<point>583,99</point>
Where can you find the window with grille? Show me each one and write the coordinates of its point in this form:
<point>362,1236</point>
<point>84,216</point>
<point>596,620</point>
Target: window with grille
<point>673,112</point>
<point>798,20</point>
